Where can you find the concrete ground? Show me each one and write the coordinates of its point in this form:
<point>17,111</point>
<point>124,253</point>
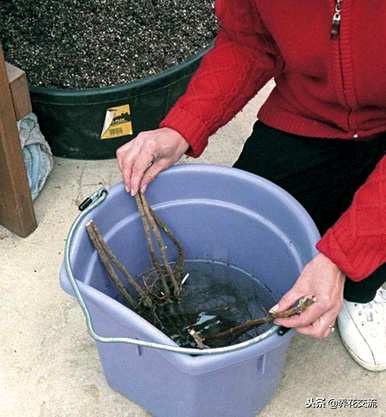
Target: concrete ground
<point>48,363</point>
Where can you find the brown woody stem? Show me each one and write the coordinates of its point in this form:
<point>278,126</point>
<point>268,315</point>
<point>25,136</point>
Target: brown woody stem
<point>131,280</point>
<point>301,305</point>
<point>104,257</point>
<point>179,269</point>
<point>161,244</point>
<point>153,256</point>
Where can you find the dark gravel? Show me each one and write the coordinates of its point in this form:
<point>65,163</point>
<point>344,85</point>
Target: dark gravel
<point>95,43</point>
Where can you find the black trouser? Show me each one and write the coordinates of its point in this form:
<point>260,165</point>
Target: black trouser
<point>322,174</point>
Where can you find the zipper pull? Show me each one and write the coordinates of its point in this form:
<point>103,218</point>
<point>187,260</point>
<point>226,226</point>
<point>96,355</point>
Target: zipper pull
<point>336,18</point>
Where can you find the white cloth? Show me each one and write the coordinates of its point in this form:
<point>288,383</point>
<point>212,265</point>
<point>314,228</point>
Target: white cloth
<point>38,158</point>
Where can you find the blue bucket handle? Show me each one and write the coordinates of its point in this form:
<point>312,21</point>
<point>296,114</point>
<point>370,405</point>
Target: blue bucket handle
<point>86,207</point>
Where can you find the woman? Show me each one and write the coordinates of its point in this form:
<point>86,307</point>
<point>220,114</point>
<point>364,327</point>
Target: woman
<point>319,136</point>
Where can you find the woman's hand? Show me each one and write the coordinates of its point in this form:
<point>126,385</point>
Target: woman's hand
<point>322,279</point>
<point>143,158</point>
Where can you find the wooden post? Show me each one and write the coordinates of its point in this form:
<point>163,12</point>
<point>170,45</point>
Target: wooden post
<point>16,208</point>
<point>18,85</point>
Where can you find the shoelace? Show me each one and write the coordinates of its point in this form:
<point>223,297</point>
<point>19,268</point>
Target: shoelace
<point>375,311</point>
<point>381,296</point>
<point>373,314</point>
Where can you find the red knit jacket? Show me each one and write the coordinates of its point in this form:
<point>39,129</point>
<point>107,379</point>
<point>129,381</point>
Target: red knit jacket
<point>325,87</point>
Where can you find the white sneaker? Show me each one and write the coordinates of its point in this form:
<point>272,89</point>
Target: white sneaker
<point>362,328</point>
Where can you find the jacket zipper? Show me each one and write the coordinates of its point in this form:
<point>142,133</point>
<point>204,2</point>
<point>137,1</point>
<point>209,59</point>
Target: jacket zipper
<point>336,18</point>
<point>335,31</point>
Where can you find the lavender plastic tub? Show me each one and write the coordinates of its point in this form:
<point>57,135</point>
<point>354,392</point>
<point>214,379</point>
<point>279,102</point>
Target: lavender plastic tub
<point>218,213</point>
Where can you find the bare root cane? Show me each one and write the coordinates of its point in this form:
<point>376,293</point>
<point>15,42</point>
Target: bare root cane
<point>179,269</point>
<point>153,256</point>
<point>301,306</point>
<point>164,284</point>
<point>109,259</point>
<point>149,218</point>
<point>163,271</point>
<point>100,247</point>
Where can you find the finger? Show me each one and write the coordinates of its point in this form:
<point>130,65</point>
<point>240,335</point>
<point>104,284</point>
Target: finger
<point>142,163</point>
<point>121,153</point>
<point>127,166</point>
<point>152,172</point>
<point>327,322</point>
<point>287,301</point>
<point>329,332</point>
<point>311,331</point>
<point>307,317</point>
<point>308,331</point>
<point>320,327</point>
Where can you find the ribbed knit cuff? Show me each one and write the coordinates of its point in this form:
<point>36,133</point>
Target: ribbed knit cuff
<point>194,131</point>
<point>356,257</point>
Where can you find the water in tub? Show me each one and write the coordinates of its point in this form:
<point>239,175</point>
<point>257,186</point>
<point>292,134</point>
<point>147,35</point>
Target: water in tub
<point>215,298</point>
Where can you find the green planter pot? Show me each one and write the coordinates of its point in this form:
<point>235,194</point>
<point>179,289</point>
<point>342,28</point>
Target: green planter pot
<point>72,120</point>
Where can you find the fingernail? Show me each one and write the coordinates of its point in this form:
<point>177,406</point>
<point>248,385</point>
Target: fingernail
<point>127,189</point>
<point>274,308</point>
<point>143,189</point>
<point>132,193</point>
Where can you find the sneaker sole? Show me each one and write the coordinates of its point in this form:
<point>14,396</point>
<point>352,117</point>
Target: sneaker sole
<point>362,363</point>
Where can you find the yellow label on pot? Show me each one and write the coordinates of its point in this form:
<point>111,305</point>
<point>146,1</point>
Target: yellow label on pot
<point>117,122</point>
